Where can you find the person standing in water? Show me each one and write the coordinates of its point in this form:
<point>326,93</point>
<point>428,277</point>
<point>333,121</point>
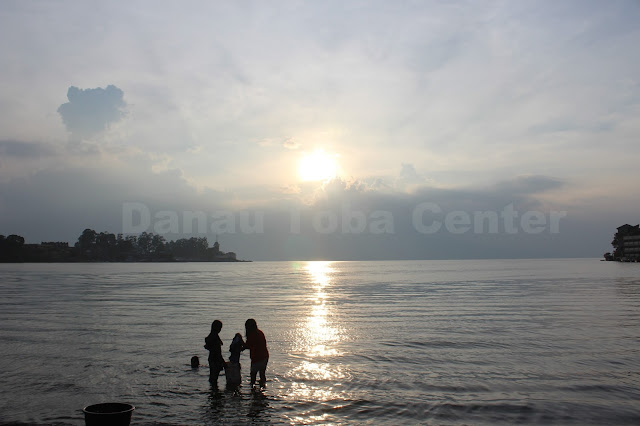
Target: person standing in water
<point>232,370</point>
<point>214,345</point>
<point>237,346</point>
<point>257,344</point>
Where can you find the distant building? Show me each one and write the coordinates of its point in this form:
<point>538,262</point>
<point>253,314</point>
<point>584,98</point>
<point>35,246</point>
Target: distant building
<point>627,229</point>
<point>57,244</point>
<point>630,248</point>
<point>47,252</point>
<point>626,244</point>
<point>228,257</point>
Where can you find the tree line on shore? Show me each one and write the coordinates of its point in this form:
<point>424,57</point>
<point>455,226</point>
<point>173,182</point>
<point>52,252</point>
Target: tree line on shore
<point>107,247</point>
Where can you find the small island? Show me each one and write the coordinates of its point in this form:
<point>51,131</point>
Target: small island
<point>626,244</point>
<point>106,247</point>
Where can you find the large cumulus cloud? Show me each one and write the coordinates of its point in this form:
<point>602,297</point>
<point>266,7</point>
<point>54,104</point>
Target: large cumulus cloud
<point>91,111</point>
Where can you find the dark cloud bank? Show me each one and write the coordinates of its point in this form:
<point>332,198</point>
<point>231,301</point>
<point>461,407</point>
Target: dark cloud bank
<point>24,150</point>
<point>348,221</point>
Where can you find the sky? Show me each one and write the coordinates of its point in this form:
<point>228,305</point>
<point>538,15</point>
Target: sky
<point>338,130</point>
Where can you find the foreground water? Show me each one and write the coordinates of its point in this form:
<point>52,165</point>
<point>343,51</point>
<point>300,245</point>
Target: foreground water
<point>434,342</point>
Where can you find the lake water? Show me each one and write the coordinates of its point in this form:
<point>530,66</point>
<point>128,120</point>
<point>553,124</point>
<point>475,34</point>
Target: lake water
<point>430,342</point>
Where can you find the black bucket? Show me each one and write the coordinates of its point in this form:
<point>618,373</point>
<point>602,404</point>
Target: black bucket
<point>109,413</point>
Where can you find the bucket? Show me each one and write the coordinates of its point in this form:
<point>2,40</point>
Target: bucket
<point>109,413</point>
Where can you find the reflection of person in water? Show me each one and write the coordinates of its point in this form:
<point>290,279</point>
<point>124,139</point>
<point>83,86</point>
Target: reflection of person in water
<point>214,345</point>
<point>257,344</point>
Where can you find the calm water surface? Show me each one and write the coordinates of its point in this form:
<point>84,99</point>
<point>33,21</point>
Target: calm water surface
<point>427,342</point>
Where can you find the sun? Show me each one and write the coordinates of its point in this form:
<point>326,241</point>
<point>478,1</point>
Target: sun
<point>317,165</point>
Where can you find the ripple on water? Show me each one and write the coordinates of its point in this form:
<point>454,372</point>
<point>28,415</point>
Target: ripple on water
<point>351,342</point>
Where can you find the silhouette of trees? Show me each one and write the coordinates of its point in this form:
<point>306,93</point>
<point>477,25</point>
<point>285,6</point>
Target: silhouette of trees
<point>192,248</point>
<point>126,246</point>
<point>92,246</point>
<point>147,246</point>
<point>11,248</point>
<point>15,240</point>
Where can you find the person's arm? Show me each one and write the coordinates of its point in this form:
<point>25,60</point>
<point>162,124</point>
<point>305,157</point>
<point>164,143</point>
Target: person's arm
<point>248,343</point>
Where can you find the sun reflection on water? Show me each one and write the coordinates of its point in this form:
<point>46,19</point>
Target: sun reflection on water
<point>320,336</point>
<point>318,375</point>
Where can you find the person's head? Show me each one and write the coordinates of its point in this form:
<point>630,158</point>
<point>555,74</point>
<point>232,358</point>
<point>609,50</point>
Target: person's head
<point>216,326</point>
<point>238,335</point>
<point>250,326</point>
<point>195,362</point>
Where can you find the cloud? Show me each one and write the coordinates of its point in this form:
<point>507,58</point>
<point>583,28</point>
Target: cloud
<point>530,184</point>
<point>20,149</point>
<point>408,172</point>
<point>342,223</point>
<point>55,204</point>
<point>409,176</point>
<point>91,111</point>
<point>291,144</point>
<point>287,143</point>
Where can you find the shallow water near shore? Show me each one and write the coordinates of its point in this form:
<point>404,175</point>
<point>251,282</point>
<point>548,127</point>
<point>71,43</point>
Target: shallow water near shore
<point>431,342</point>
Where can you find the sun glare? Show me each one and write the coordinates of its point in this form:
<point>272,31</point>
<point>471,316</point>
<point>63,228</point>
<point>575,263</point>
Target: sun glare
<point>317,165</point>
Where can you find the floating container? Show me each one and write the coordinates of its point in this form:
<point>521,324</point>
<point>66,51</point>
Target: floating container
<point>108,413</point>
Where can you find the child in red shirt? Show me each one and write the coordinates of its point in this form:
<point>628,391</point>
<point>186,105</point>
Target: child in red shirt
<point>257,344</point>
